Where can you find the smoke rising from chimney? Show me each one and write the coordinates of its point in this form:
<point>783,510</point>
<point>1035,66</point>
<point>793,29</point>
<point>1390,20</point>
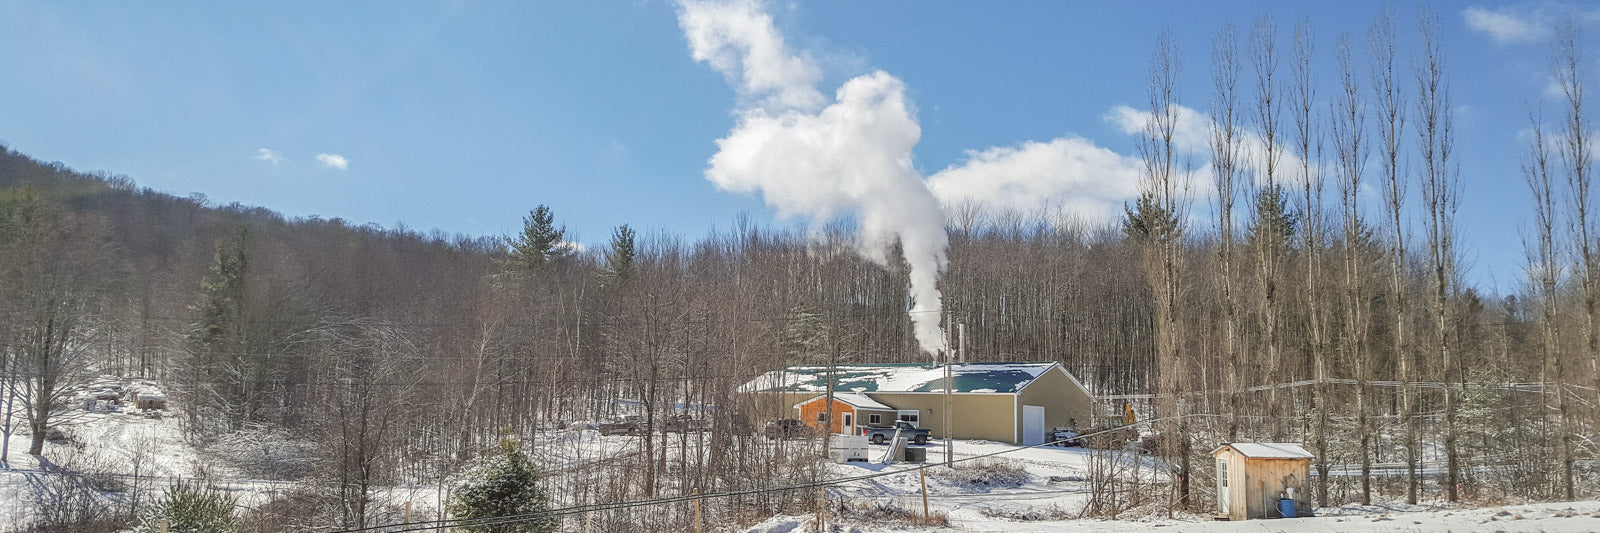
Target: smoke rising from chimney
<point>816,159</point>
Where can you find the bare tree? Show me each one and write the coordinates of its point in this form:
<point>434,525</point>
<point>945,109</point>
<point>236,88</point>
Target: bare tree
<point>1391,123</point>
<point>1225,158</point>
<point>1545,258</point>
<point>1349,125</point>
<point>1271,223</point>
<point>1164,200</point>
<point>1577,156</point>
<point>1440,186</point>
<point>1307,136</point>
<point>59,278</point>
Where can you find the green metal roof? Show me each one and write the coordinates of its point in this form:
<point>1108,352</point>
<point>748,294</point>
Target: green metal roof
<point>1002,378</point>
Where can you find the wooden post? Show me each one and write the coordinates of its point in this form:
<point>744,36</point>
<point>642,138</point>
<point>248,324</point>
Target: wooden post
<point>164,524</point>
<point>922,477</point>
<point>408,512</point>
<point>697,513</point>
<point>588,521</point>
<point>822,509</point>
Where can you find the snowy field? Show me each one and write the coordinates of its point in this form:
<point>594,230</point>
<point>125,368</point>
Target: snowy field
<point>1544,517</point>
<point>1054,493</point>
<point>1034,489</point>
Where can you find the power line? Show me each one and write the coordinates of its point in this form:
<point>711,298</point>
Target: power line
<point>529,517</point>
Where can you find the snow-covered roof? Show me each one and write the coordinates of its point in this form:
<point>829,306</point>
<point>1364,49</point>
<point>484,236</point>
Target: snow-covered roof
<point>1004,378</point>
<point>1269,450</point>
<point>854,399</point>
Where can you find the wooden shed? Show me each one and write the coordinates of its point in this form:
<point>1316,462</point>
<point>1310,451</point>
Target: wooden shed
<point>148,400</point>
<point>1253,476</point>
<point>851,411</point>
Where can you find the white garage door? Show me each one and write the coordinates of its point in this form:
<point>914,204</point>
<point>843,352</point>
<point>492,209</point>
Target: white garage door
<point>1032,425</point>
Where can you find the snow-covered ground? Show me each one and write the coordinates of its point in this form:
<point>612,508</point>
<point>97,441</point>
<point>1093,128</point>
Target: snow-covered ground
<point>1035,489</point>
<point>1054,493</point>
<point>135,449</point>
<point>1542,517</point>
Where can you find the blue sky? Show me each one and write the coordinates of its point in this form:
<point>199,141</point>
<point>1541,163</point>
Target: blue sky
<point>462,116</point>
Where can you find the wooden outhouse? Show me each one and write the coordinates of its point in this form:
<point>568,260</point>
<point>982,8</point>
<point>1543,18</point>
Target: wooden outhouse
<point>1253,478</point>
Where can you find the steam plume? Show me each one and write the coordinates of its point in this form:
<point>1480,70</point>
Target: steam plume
<point>815,159</point>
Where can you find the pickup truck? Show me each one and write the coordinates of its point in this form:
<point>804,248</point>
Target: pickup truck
<point>882,435</point>
<point>787,428</point>
<point>628,425</point>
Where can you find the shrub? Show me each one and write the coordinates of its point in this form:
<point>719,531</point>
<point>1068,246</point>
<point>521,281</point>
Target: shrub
<point>191,508</point>
<point>983,473</point>
<point>506,485</point>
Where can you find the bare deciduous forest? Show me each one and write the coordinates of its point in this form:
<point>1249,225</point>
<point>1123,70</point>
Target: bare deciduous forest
<point>1252,293</point>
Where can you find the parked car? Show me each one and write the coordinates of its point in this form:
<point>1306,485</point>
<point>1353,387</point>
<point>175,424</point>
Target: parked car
<point>913,433</point>
<point>627,425</point>
<point>1065,436</point>
<point>787,428</point>
<point>685,424</point>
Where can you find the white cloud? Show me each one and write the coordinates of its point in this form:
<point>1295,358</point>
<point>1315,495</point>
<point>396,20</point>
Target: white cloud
<point>1527,22</point>
<point>1068,176</point>
<point>738,39</point>
<point>1507,25</point>
<point>1192,138</point>
<point>333,161</point>
<point>268,155</point>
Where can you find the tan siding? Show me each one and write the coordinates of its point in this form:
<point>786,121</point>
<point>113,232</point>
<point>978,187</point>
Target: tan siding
<point>977,416</point>
<point>1063,402</point>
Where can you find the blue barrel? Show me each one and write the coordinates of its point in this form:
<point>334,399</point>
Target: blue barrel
<point>1286,507</point>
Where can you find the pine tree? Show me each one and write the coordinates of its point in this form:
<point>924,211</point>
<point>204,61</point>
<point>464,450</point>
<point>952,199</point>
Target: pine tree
<point>218,347</point>
<point>190,508</point>
<point>1148,219</point>
<point>619,259</point>
<point>507,485</point>
<point>1275,223</point>
<point>540,241</point>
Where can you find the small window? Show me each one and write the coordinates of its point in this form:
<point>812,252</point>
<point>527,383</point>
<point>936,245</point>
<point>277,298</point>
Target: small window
<point>908,417</point>
<point>1222,472</point>
<point>874,419</point>
<point>822,417</point>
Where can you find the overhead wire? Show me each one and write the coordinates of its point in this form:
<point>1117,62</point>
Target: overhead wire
<point>528,517</point>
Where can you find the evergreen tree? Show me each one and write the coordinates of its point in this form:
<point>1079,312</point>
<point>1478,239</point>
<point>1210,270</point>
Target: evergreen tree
<point>619,259</point>
<point>540,241</point>
<point>1148,219</point>
<point>190,508</point>
<point>218,362</point>
<point>507,485</point>
<point>1274,222</point>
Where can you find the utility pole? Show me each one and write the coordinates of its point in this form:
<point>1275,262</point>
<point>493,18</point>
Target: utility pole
<point>949,383</point>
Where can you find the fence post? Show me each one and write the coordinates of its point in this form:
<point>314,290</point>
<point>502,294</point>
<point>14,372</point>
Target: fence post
<point>922,477</point>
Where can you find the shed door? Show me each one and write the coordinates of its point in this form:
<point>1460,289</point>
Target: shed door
<point>1222,487</point>
<point>1032,425</point>
<point>849,425</point>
